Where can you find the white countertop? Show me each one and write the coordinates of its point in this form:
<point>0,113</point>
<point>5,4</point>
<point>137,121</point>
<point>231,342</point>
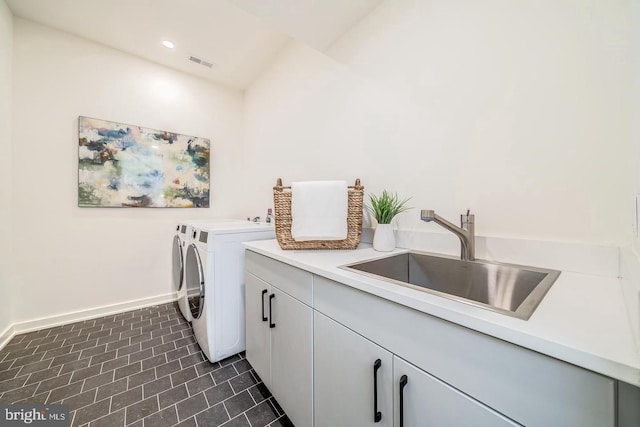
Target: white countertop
<point>582,319</point>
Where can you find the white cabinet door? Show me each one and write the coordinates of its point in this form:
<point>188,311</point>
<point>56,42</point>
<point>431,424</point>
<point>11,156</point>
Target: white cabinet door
<point>422,400</point>
<point>344,381</point>
<point>292,357</point>
<point>257,326</point>
<point>279,337</point>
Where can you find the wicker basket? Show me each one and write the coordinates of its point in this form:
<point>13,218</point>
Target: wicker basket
<point>282,204</point>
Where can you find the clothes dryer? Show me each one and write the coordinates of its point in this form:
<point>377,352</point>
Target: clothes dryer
<point>179,245</point>
<point>181,241</point>
<point>214,264</point>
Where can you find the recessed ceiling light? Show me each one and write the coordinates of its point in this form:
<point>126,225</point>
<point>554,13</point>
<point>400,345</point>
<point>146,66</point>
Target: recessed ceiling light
<point>168,44</point>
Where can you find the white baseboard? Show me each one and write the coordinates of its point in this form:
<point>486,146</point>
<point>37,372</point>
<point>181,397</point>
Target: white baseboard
<point>80,315</point>
<point>6,336</point>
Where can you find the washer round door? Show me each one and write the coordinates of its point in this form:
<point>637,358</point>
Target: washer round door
<point>194,280</point>
<point>178,263</point>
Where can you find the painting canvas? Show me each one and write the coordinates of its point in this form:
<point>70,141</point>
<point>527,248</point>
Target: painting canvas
<point>122,165</point>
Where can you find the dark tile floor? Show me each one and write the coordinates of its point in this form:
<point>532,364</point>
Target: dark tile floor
<point>139,368</point>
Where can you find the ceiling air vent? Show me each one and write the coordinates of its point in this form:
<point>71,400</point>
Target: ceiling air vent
<point>201,61</point>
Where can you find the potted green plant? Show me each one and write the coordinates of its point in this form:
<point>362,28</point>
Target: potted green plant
<point>384,208</point>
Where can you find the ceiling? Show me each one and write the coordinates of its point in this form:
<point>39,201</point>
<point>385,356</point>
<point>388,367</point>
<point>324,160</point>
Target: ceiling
<point>240,37</point>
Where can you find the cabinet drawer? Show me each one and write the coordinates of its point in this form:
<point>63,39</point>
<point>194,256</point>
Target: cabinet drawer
<point>528,387</point>
<point>297,283</point>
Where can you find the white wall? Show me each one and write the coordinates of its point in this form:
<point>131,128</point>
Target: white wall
<point>6,46</point>
<point>70,258</point>
<point>630,257</point>
<point>635,110</point>
<point>517,110</point>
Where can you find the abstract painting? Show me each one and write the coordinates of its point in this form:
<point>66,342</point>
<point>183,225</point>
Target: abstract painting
<point>122,165</point>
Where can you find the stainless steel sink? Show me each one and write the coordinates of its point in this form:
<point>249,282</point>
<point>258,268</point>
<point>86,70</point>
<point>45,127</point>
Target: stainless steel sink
<point>514,290</point>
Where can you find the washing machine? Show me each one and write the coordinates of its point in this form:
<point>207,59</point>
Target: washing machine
<point>214,265</point>
<point>179,245</point>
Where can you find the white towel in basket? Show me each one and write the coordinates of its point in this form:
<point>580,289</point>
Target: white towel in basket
<point>319,210</point>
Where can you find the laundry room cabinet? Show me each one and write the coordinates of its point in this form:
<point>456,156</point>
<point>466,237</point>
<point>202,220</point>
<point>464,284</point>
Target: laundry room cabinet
<point>423,400</point>
<point>357,382</point>
<point>258,335</point>
<point>339,356</point>
<point>353,377</point>
<point>460,370</point>
<point>279,333</point>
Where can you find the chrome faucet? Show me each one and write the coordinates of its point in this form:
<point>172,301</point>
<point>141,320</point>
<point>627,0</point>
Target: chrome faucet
<point>466,233</point>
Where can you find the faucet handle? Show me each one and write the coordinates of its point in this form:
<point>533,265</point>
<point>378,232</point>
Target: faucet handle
<point>467,220</point>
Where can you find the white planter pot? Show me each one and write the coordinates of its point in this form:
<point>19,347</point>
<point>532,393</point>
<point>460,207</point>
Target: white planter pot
<point>383,239</point>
